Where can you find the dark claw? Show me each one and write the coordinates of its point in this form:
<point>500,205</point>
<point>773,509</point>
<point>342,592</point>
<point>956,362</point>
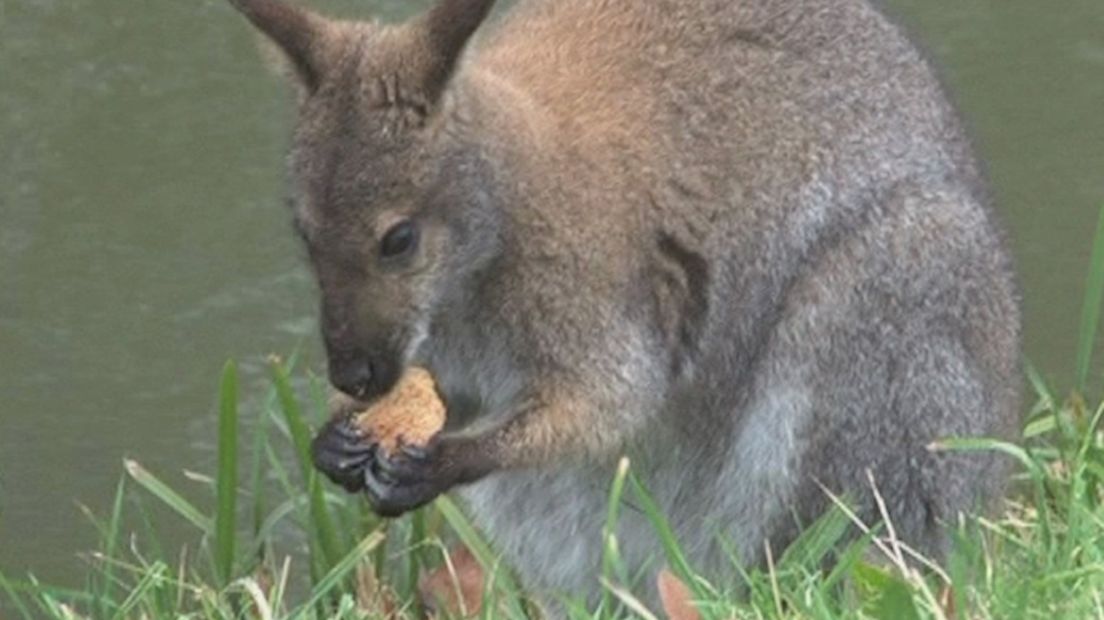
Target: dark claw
<point>342,454</point>
<point>394,484</point>
<point>347,429</point>
<point>407,467</point>
<point>417,453</point>
<point>382,475</point>
<point>406,480</point>
<point>392,500</point>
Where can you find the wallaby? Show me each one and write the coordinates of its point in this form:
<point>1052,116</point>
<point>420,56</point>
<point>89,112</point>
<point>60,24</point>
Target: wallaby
<point>745,243</point>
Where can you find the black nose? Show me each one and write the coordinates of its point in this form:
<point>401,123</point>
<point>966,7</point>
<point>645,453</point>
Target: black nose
<point>354,377</point>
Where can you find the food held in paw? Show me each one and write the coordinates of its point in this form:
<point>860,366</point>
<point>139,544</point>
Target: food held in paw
<point>410,414</point>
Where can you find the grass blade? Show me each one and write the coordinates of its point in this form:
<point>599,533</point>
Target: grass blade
<point>630,601</point>
<point>675,557</point>
<point>334,577</point>
<point>414,569</point>
<point>171,498</point>
<point>266,531</point>
<point>817,541</point>
<point>1091,306</point>
<point>14,597</point>
<point>466,531</point>
<point>105,592</point>
<point>611,557</point>
<point>293,416</point>
<point>149,580</point>
<point>324,530</point>
<point>981,444</point>
<point>482,552</point>
<point>227,473</point>
<point>1039,384</point>
<point>884,594</point>
<point>257,458</point>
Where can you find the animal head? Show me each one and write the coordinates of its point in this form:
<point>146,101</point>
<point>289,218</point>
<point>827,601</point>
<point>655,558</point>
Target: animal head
<point>387,199</point>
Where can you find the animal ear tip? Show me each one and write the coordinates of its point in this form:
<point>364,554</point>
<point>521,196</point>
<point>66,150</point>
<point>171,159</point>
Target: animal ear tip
<point>294,37</point>
<point>245,7</point>
<point>444,32</point>
<point>273,58</point>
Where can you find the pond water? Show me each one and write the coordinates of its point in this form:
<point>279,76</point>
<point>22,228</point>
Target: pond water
<point>143,239</point>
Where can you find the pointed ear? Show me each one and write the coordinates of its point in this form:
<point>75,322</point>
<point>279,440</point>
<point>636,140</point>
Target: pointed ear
<point>302,36</point>
<point>443,32</point>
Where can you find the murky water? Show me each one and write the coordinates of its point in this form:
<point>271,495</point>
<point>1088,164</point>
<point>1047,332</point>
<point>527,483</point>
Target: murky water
<point>143,240</point>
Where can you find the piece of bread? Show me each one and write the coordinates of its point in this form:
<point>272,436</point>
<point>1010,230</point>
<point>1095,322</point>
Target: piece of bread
<point>410,414</point>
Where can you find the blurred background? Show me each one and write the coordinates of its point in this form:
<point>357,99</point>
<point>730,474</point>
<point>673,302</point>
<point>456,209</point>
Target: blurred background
<point>144,239</point>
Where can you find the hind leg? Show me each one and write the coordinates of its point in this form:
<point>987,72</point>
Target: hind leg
<point>910,332</point>
<point>921,394</point>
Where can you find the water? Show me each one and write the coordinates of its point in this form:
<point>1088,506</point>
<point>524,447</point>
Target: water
<point>143,240</point>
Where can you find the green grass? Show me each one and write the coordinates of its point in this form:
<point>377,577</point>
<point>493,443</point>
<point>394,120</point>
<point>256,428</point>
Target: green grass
<point>1042,557</point>
<point>271,540</point>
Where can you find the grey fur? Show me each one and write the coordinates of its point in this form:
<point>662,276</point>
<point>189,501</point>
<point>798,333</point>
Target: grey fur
<point>744,243</point>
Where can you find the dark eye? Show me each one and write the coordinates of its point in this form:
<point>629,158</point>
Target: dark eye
<point>400,239</point>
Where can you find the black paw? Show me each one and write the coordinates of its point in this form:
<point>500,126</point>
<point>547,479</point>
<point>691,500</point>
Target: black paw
<point>406,480</point>
<point>343,453</point>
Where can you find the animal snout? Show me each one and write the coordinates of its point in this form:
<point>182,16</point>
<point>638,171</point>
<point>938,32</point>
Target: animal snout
<point>353,375</point>
<point>364,376</point>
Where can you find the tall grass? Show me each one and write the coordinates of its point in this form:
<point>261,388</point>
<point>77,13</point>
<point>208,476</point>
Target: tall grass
<point>1091,307</point>
<point>226,510</point>
<point>1043,557</point>
<point>307,551</point>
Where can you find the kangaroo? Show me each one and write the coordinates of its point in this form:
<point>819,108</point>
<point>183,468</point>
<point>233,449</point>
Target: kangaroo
<point>744,243</point>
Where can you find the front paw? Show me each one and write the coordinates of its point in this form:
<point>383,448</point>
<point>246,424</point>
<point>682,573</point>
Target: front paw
<point>408,479</point>
<point>343,453</point>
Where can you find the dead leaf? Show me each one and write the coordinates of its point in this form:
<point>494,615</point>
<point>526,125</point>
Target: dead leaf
<point>372,596</point>
<point>676,597</point>
<point>947,602</point>
<point>455,589</point>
